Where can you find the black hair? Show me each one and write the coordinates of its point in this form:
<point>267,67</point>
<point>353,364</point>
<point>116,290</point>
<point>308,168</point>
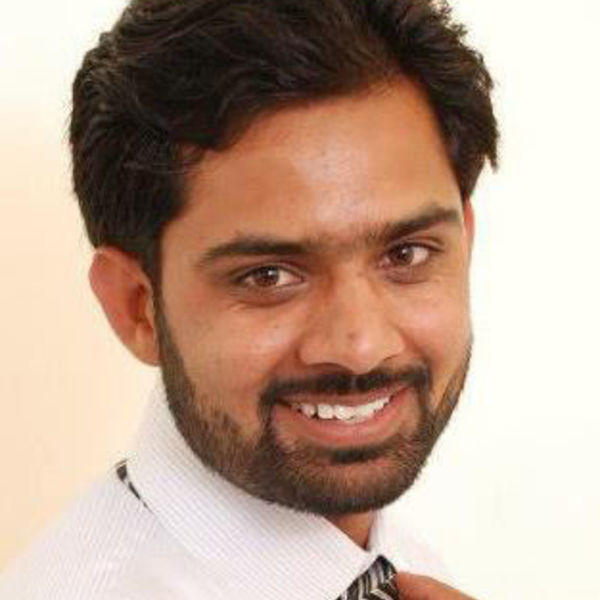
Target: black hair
<point>196,73</point>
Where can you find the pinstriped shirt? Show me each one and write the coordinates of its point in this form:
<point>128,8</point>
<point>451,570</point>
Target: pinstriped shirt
<point>191,535</point>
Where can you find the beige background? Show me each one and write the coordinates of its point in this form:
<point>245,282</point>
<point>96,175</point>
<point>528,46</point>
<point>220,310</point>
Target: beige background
<point>70,393</point>
<point>511,496</point>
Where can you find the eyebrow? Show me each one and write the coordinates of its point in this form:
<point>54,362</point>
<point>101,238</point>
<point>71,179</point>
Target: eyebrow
<point>257,245</point>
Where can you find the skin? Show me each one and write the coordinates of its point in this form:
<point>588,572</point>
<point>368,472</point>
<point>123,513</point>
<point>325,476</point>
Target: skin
<point>418,587</point>
<point>327,172</point>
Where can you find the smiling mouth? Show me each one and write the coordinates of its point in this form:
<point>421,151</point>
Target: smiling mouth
<point>342,412</point>
<point>342,421</point>
<point>348,409</point>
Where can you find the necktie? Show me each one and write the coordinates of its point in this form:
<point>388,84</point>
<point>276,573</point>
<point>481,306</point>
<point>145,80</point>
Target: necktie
<point>377,583</point>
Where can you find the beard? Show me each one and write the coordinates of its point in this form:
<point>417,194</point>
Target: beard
<point>305,477</point>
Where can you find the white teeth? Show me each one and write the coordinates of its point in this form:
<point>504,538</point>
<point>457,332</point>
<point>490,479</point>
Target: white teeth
<point>325,411</point>
<point>343,412</point>
<point>308,410</point>
<point>352,414</point>
<point>379,404</point>
<point>366,410</point>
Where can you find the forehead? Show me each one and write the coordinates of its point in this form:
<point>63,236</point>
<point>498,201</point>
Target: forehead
<point>325,169</point>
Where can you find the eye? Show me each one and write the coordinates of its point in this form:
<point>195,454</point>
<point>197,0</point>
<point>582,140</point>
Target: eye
<point>407,255</point>
<point>270,276</point>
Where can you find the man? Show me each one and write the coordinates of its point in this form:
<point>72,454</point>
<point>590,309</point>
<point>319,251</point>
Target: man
<point>278,192</point>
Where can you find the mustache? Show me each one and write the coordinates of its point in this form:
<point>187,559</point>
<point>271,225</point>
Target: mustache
<point>340,384</point>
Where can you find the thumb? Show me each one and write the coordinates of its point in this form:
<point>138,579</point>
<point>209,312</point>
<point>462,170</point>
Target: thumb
<point>420,587</point>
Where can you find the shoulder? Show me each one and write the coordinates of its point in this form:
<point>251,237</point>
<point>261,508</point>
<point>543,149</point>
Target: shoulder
<point>85,552</point>
<point>109,546</point>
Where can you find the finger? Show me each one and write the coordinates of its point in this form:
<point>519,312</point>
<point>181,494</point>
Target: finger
<point>420,587</point>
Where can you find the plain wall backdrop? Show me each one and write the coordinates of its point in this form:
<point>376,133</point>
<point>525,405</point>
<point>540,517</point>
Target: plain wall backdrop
<point>511,495</point>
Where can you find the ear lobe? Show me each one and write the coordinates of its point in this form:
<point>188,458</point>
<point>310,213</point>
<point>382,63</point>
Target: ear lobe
<point>125,294</point>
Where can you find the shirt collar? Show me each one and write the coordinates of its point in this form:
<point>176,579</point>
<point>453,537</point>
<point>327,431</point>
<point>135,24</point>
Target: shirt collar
<point>254,548</point>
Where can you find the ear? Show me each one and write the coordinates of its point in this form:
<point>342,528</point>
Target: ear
<point>469,220</point>
<point>125,294</point>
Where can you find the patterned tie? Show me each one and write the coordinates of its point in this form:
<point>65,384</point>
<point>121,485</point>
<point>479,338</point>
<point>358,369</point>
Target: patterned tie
<point>377,583</point>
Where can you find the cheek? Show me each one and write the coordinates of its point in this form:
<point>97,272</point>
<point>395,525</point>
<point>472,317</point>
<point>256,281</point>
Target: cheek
<point>249,349</point>
<point>232,356</point>
<point>438,328</point>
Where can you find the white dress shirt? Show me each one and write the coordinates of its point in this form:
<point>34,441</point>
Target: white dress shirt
<point>195,536</point>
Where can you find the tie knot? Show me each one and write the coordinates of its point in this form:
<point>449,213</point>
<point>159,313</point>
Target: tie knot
<point>376,583</point>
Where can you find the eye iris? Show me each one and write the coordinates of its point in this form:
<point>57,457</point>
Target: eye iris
<point>404,255</point>
<point>266,276</point>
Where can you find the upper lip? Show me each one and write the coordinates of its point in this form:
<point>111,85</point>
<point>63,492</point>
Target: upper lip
<point>345,400</point>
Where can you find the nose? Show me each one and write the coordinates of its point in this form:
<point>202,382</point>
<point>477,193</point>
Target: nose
<point>353,327</point>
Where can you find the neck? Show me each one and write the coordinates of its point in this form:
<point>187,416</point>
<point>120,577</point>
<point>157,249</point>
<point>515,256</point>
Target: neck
<point>356,526</point>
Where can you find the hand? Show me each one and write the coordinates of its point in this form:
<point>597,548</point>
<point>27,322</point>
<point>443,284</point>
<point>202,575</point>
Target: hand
<point>418,587</point>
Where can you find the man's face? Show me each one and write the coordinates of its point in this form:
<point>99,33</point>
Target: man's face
<point>314,323</point>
